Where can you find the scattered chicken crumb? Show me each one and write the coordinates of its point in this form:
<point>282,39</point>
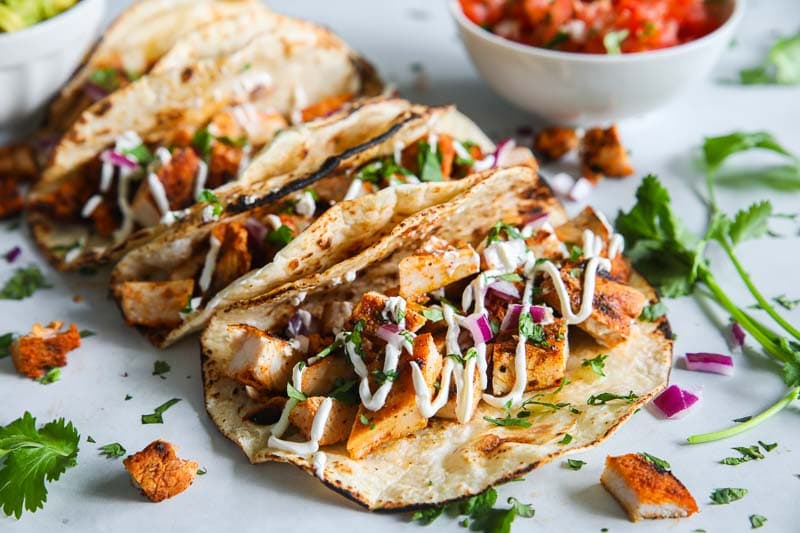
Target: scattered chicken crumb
<point>644,490</point>
<point>44,348</point>
<point>555,142</point>
<point>158,472</point>
<point>602,154</point>
<point>77,298</point>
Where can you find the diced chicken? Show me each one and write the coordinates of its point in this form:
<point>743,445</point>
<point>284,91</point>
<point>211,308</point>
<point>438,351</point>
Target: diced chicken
<point>43,348</point>
<point>400,415</point>
<point>178,177</point>
<point>105,219</point>
<point>371,309</point>
<point>546,362</point>
<point>223,164</point>
<point>644,490</point>
<point>145,210</point>
<point>436,265</point>
<point>447,153</point>
<point>234,257</point>
<point>319,379</point>
<point>337,427</point>
<point>335,314</point>
<point>614,307</point>
<point>158,472</point>
<point>188,269</point>
<point>154,303</point>
<point>555,142</point>
<point>260,360</point>
<point>546,244</point>
<point>602,154</point>
<point>11,202</point>
<point>66,202</point>
<point>326,106</point>
<point>572,232</point>
<point>18,161</point>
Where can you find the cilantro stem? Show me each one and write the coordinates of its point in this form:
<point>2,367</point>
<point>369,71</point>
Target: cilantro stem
<point>750,424</point>
<point>765,305</point>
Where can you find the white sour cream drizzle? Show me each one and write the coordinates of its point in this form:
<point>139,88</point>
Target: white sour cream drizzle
<point>306,206</point>
<point>210,264</point>
<point>158,193</point>
<point>318,463</point>
<point>106,176</point>
<point>616,246</point>
<point>592,244</point>
<point>317,429</point>
<point>200,178</point>
<point>91,205</point>
<point>125,177</point>
<point>398,153</point>
<point>354,191</point>
<point>589,281</point>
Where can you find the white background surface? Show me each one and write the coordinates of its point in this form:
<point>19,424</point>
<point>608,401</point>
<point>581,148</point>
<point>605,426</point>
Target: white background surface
<point>97,496</point>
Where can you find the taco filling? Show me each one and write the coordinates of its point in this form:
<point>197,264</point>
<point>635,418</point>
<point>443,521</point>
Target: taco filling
<point>463,326</point>
<point>234,248</point>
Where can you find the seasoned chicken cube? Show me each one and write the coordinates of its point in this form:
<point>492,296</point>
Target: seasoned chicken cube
<point>43,348</point>
<point>154,303</point>
<point>18,161</point>
<point>234,257</point>
<point>158,473</point>
<point>644,490</point>
<point>260,360</point>
<point>436,265</point>
<point>326,106</point>
<point>400,415</point>
<point>572,232</point>
<point>223,164</point>
<point>555,142</point>
<point>11,202</point>
<point>602,154</point>
<point>337,427</point>
<point>546,361</point>
<point>319,379</point>
<point>614,305</point>
<point>373,310</point>
<point>178,176</point>
<point>546,244</point>
<point>105,219</point>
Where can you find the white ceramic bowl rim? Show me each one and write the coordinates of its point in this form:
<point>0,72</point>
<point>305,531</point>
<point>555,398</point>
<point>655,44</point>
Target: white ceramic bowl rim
<point>40,28</point>
<point>467,24</point>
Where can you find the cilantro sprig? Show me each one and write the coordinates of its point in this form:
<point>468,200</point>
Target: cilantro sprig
<point>23,283</point>
<point>479,513</point>
<point>781,66</point>
<point>32,457</point>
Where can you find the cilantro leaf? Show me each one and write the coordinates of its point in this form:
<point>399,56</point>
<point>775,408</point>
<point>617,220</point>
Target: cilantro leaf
<point>499,228</point>
<point>5,344</point>
<point>280,237</point>
<point>434,315</point>
<point>781,300</point>
<point>202,471</point>
<point>23,283</point>
<point>782,65</point>
<point>160,368</point>
<point>575,464</point>
<point>508,421</point>
<point>653,312</point>
<point>532,331</point>
<point>202,141</point>
<point>597,364</point>
<point>727,495</point>
<point>52,375</point>
<point>345,391</point>
<point>156,417</point>
<point>141,154</point>
<point>768,447</point>
<point>32,457</point>
<point>521,509</point>
<point>427,516</point>
<point>429,164</point>
<point>750,223</point>
<point>113,450</point>
<point>605,397</point>
<point>479,504</point>
<point>84,333</point>
<point>757,520</point>
<point>566,440</point>
<point>660,464</point>
<point>718,149</point>
<point>212,199</point>
<point>382,377</point>
<point>295,394</point>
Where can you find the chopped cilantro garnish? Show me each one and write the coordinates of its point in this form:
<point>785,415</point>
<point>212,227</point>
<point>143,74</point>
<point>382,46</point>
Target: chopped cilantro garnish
<point>511,276</point>
<point>52,375</point>
<point>727,495</point>
<point>532,331</point>
<point>653,312</point>
<point>160,368</point>
<point>202,471</point>
<point>84,333</point>
<point>500,228</point>
<point>107,78</point>
<point>366,421</point>
<point>32,457</point>
<point>434,315</point>
<point>280,237</point>
<point>575,253</point>
<point>508,421</point>
<point>23,283</point>
<point>427,516</point>
<point>781,66</point>
<point>597,364</point>
<point>660,464</point>
<point>210,198</point>
<point>128,397</point>
<point>295,394</point>
<point>156,417</point>
<point>141,153</point>
<point>237,142</point>
<point>345,391</point>
<point>113,450</point>
<point>605,397</point>
<point>757,520</point>
<point>768,447</point>
<point>202,141</point>
<point>5,344</point>
<point>382,377</point>
<point>786,302</point>
<point>566,440</point>
<point>558,39</point>
<point>575,464</point>
<point>429,162</point>
<point>335,345</point>
<point>479,513</point>
<point>90,439</point>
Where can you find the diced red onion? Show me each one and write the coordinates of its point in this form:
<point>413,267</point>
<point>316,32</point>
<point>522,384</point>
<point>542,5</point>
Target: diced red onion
<point>581,190</point>
<point>391,334</point>
<point>538,313</point>
<point>93,91</point>
<point>118,159</point>
<point>13,254</point>
<point>256,233</point>
<point>561,183</point>
<point>478,326</point>
<point>504,290</point>
<point>738,335</point>
<point>511,318</point>
<point>299,323</point>
<point>710,362</point>
<point>504,148</point>
<point>675,402</point>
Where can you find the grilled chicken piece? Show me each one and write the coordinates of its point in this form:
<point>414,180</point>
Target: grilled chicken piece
<point>319,379</point>
<point>188,269</point>
<point>234,256</point>
<point>66,202</point>
<point>546,244</point>
<point>178,177</point>
<point>144,208</point>
<point>572,232</point>
<point>18,161</point>
<point>43,348</point>
<point>400,415</point>
<point>372,310</point>
<point>614,307</point>
<point>546,362</point>
<point>11,202</point>
<point>154,303</point>
<point>555,142</point>
<point>602,154</point>
<point>337,428</point>
<point>436,265</point>
<point>644,490</point>
<point>259,360</point>
<point>325,107</point>
<point>105,219</point>
<point>223,164</point>
<point>158,472</point>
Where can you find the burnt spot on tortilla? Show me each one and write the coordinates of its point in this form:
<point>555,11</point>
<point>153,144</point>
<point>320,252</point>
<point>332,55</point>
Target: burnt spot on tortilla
<point>665,328</point>
<point>324,243</point>
<point>101,109</point>
<point>186,74</point>
<point>264,415</point>
<point>294,264</point>
<point>328,167</point>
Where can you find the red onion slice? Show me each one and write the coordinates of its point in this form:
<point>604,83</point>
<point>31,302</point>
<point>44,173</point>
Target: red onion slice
<point>504,148</point>
<point>478,326</point>
<point>710,362</point>
<point>93,91</point>
<point>391,334</point>
<point>13,254</point>
<point>675,402</point>
<point>118,159</point>
<point>737,334</point>
<point>511,319</point>
<point>299,323</point>
<point>504,290</point>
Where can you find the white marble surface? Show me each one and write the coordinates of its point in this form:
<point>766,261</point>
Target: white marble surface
<point>235,496</point>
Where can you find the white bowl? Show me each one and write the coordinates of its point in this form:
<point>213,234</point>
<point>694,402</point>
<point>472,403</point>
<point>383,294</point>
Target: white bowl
<point>35,63</point>
<point>581,89</point>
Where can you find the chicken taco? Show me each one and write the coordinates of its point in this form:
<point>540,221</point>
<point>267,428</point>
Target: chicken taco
<point>137,159</point>
<point>257,234</point>
<point>477,340</point>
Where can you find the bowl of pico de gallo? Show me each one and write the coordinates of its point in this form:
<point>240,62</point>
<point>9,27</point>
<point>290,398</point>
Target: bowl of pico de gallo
<point>585,61</point>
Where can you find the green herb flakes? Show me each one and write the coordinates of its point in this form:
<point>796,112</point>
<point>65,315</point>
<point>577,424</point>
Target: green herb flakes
<point>156,417</point>
<point>23,283</point>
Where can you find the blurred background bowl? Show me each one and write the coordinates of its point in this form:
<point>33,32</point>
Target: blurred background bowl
<point>582,89</point>
<point>35,63</point>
